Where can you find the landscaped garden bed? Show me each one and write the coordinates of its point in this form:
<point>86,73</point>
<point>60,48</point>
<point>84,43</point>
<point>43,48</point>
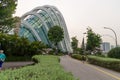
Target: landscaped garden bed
<point>46,68</point>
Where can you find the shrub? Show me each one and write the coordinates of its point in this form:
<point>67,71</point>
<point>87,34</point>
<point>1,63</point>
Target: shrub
<point>76,56</point>
<point>114,53</point>
<point>18,58</point>
<point>110,63</point>
<point>79,57</point>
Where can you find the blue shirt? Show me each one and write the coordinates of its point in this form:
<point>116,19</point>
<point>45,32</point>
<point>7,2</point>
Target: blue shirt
<point>2,56</point>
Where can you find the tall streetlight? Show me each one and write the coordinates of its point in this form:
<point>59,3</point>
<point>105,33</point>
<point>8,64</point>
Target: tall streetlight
<point>114,34</point>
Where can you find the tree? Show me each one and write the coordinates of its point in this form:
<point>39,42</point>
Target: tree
<point>82,51</point>
<point>7,9</point>
<point>36,47</point>
<point>55,35</point>
<point>114,53</point>
<point>74,44</point>
<point>93,40</point>
<point>17,25</point>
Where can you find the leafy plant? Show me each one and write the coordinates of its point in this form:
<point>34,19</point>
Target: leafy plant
<point>55,35</point>
<point>110,63</point>
<point>14,45</point>
<point>114,53</point>
<point>93,40</point>
<point>7,9</point>
<point>74,44</point>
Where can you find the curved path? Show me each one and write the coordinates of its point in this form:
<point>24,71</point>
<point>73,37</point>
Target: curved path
<point>13,65</point>
<point>85,71</point>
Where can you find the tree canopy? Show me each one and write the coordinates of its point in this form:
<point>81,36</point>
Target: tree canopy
<point>55,34</point>
<point>93,40</point>
<point>74,44</point>
<point>7,9</point>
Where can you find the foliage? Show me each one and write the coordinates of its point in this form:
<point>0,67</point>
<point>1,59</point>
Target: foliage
<point>48,68</point>
<point>110,63</point>
<point>83,47</point>
<point>16,25</point>
<point>93,40</point>
<point>7,8</point>
<point>55,35</point>
<point>114,53</point>
<point>19,46</point>
<point>36,47</point>
<point>80,51</point>
<point>74,44</point>
<point>17,58</point>
<point>77,56</point>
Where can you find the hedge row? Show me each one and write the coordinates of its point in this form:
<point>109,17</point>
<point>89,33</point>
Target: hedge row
<point>79,57</point>
<point>110,63</point>
<point>47,68</point>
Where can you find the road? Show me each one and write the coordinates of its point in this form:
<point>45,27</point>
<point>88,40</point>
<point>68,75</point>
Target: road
<point>85,71</point>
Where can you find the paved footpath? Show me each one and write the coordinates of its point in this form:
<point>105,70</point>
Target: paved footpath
<point>85,71</point>
<point>13,65</point>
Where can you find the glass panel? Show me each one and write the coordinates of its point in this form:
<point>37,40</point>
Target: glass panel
<point>46,18</point>
<point>32,19</point>
<point>25,32</point>
<point>54,17</point>
<point>41,33</point>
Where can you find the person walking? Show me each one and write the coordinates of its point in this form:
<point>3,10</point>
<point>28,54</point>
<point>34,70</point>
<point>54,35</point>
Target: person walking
<point>83,58</point>
<point>2,58</point>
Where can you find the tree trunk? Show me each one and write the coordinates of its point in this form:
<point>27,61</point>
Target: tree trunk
<point>56,49</point>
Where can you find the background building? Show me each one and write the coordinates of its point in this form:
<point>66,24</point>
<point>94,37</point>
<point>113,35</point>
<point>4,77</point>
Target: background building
<point>36,23</point>
<point>105,47</point>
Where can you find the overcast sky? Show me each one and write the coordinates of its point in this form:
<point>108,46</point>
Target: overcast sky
<point>79,14</point>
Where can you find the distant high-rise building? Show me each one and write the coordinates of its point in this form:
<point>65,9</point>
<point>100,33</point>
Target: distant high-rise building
<point>36,23</point>
<point>105,47</point>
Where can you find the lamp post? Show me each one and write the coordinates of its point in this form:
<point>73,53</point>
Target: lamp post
<point>114,34</point>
